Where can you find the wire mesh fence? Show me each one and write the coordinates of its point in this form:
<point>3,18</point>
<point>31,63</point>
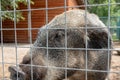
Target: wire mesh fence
<point>74,45</point>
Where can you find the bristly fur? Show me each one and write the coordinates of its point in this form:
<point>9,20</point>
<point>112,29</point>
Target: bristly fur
<point>50,59</point>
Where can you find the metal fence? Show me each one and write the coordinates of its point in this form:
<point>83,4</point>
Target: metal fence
<point>68,72</point>
<point>114,27</point>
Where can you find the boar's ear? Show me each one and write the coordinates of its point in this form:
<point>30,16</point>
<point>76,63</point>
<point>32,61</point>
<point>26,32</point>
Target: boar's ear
<point>13,73</point>
<point>98,38</point>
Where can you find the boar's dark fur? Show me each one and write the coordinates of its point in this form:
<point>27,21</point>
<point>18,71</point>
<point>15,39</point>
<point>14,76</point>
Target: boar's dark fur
<point>50,59</point>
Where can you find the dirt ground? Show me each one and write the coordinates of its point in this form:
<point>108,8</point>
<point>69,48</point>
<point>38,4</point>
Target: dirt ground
<point>9,58</point>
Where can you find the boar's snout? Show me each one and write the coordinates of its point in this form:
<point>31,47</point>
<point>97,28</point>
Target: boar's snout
<point>16,73</point>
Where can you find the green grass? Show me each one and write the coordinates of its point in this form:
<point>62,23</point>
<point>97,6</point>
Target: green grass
<point>114,37</point>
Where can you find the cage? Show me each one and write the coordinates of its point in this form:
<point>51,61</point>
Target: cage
<point>46,46</point>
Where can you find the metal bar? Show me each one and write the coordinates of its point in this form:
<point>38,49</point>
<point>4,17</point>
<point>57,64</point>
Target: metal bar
<point>86,42</point>
<point>30,35</point>
<point>2,51</point>
<point>15,22</point>
<point>66,52</point>
<point>61,7</point>
<point>108,68</point>
<point>46,22</point>
<point>88,27</point>
<point>53,67</point>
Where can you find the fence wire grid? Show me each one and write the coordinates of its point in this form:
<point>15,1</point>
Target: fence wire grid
<point>13,53</point>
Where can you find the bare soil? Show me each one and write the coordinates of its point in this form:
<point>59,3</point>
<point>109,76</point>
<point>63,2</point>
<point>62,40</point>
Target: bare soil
<point>8,57</point>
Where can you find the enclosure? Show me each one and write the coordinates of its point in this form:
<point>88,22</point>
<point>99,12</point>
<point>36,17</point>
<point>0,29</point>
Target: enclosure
<point>17,36</point>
